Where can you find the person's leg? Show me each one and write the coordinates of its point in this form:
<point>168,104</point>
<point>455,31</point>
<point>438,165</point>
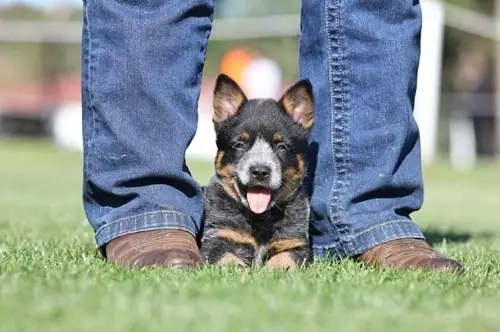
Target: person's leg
<point>141,76</point>
<point>362,57</point>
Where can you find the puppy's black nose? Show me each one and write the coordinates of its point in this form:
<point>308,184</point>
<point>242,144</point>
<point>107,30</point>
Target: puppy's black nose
<point>260,172</point>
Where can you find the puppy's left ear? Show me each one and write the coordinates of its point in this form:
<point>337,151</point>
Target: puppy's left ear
<point>298,102</point>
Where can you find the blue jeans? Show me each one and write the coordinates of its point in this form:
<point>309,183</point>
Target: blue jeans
<point>142,66</point>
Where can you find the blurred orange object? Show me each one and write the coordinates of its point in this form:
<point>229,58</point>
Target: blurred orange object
<point>233,63</point>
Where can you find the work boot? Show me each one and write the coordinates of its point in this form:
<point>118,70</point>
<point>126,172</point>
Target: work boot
<point>409,253</point>
<point>171,248</point>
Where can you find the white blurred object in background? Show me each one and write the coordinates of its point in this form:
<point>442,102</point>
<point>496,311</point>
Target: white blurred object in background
<point>203,145</point>
<point>462,143</point>
<point>262,78</point>
<point>67,127</point>
<point>427,97</point>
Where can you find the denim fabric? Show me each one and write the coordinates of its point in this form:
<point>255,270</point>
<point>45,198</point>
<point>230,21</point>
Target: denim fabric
<point>362,57</point>
<point>142,65</point>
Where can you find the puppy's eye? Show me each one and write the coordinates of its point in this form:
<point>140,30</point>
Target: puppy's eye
<point>240,146</point>
<point>281,147</point>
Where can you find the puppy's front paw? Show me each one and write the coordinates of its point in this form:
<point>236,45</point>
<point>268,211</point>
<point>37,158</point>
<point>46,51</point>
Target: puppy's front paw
<point>230,260</point>
<point>282,261</point>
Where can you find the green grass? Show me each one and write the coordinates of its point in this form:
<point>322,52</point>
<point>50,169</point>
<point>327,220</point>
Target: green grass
<point>51,278</point>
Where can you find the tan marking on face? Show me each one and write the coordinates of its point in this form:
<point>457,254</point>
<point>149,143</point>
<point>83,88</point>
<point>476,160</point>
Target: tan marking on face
<point>297,173</point>
<point>286,245</point>
<point>226,174</point>
<point>229,259</point>
<point>230,189</point>
<point>277,138</point>
<point>293,175</point>
<point>281,261</point>
<point>218,159</point>
<point>236,237</point>
<point>244,136</point>
<point>223,171</point>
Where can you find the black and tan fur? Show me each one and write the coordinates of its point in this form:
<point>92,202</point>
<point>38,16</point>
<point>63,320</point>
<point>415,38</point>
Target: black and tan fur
<point>275,134</point>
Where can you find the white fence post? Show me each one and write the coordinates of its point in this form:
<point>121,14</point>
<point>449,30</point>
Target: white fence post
<point>429,78</point>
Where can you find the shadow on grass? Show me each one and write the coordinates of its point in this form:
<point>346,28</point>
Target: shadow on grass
<point>437,236</point>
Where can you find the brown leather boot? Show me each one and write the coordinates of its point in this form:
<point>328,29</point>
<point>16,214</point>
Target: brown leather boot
<point>409,254</point>
<point>170,248</point>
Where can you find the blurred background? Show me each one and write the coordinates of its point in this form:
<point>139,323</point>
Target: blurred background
<point>256,42</point>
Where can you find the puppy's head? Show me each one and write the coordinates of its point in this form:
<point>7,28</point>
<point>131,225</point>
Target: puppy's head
<point>261,143</point>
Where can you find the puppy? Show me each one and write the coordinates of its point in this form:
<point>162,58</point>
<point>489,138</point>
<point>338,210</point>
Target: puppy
<point>256,210</point>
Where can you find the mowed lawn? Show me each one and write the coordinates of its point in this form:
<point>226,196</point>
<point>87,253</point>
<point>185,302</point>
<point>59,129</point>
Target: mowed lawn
<point>52,279</point>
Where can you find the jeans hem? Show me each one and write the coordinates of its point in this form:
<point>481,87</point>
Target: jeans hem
<point>370,238</point>
<point>145,222</point>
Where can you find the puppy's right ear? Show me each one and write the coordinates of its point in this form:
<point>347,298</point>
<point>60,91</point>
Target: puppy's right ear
<point>228,99</point>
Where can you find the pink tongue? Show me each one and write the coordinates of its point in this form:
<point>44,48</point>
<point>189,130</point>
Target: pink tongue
<point>258,199</point>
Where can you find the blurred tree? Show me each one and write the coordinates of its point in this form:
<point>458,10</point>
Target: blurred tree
<point>28,62</point>
<point>284,49</point>
<point>456,40</point>
<point>21,60</point>
<point>483,6</point>
<point>455,43</point>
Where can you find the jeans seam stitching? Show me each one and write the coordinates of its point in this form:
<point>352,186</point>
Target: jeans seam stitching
<point>89,76</point>
<point>331,197</point>
<point>339,149</point>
